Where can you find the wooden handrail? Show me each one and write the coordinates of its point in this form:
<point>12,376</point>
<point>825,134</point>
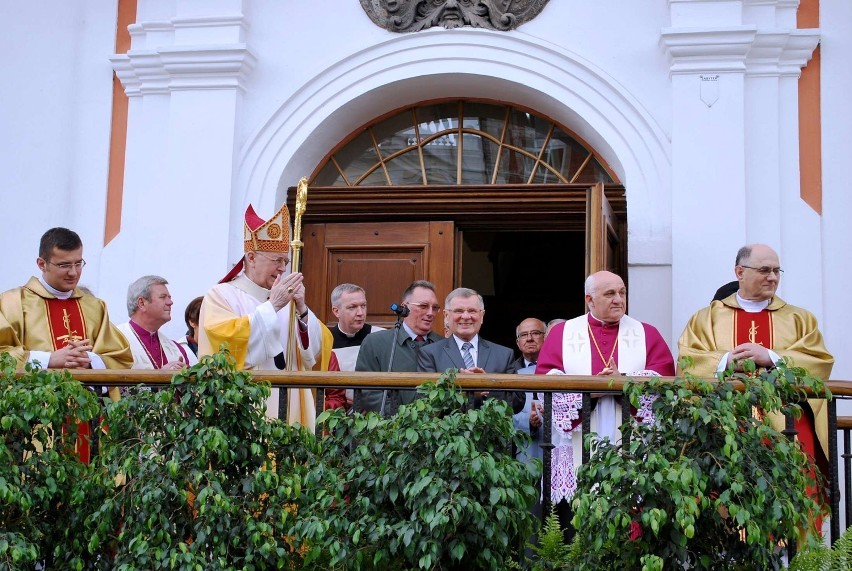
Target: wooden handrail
<point>844,422</point>
<point>561,383</point>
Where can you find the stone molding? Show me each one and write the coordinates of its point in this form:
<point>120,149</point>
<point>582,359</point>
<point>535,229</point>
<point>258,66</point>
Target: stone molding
<point>417,15</point>
<point>744,49</point>
<point>164,59</point>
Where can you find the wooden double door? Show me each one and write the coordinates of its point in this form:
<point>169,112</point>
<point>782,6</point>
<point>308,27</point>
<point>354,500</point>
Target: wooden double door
<point>383,243</point>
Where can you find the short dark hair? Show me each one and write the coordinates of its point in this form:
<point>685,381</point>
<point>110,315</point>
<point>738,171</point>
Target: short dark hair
<point>406,295</point>
<point>192,311</point>
<point>61,238</point>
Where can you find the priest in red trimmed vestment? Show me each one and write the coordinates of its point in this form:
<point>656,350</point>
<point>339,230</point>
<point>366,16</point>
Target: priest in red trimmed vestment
<point>603,342</point>
<point>53,322</point>
<point>754,323</point>
<point>149,306</point>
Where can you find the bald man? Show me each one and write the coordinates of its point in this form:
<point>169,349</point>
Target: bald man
<point>754,323</point>
<point>605,342</point>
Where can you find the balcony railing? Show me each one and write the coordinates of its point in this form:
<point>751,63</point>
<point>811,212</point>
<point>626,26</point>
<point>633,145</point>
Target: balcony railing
<point>838,426</point>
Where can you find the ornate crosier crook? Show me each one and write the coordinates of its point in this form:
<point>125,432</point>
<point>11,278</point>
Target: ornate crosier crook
<point>294,357</point>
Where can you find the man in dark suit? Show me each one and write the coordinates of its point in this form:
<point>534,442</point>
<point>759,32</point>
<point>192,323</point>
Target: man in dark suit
<point>415,332</point>
<point>466,350</point>
<point>529,335</point>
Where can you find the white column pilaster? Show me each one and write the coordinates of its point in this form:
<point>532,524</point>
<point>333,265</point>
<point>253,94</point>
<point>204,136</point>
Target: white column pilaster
<point>708,160</point>
<point>735,148</point>
<point>185,76</point>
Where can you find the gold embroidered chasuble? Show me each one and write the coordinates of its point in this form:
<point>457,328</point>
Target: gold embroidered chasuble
<point>25,326</point>
<point>709,334</point>
<point>239,315</point>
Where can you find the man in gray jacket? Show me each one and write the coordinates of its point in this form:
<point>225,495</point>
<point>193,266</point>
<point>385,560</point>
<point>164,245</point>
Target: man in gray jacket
<point>415,333</point>
<point>467,351</point>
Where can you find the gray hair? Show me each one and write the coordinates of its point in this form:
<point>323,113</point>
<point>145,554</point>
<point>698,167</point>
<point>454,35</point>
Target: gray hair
<point>743,255</point>
<point>463,292</point>
<point>342,289</point>
<point>589,285</point>
<point>141,288</point>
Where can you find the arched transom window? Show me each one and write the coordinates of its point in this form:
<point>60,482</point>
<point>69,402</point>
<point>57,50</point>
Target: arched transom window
<point>462,142</point>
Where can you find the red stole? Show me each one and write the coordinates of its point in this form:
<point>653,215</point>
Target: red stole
<point>66,321</point>
<point>757,328</point>
<point>67,324</point>
<point>753,328</point>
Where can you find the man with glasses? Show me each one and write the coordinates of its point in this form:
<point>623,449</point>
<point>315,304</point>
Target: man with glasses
<point>466,351</point>
<point>754,323</point>
<point>415,333</point>
<point>529,335</point>
<point>53,322</point>
<point>249,311</point>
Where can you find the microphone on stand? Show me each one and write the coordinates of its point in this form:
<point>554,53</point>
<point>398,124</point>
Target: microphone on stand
<point>400,310</point>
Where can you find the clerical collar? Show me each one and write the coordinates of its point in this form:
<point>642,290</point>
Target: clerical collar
<point>751,306</point>
<point>55,292</point>
<point>141,330</point>
<point>346,334</point>
<point>595,321</point>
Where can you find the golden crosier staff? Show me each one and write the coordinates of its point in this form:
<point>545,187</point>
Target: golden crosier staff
<point>294,357</point>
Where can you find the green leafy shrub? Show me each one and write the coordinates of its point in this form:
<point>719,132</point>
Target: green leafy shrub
<point>707,486</point>
<point>822,558</point>
<point>41,491</point>
<point>433,487</point>
<point>205,479</point>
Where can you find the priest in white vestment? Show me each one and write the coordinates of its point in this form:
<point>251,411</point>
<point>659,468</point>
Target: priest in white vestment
<point>250,312</point>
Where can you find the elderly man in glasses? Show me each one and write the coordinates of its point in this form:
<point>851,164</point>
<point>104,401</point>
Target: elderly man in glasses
<point>415,332</point>
<point>52,321</point>
<point>529,335</point>
<point>467,351</point>
<point>250,311</point>
<point>754,323</point>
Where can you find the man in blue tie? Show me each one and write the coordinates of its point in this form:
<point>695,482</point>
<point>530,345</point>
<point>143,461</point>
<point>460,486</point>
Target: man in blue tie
<point>466,350</point>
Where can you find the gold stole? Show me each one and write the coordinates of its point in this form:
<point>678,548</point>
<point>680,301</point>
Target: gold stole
<point>67,324</point>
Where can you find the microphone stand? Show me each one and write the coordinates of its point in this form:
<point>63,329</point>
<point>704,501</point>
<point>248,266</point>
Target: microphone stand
<point>394,341</point>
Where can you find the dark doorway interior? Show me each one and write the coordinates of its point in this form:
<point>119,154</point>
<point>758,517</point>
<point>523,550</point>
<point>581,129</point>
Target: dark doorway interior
<point>523,274</point>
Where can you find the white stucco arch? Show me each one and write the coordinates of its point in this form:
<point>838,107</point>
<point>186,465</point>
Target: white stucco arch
<point>521,69</point>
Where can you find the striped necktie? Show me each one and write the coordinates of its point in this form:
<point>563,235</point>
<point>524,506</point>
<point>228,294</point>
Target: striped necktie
<point>468,358</point>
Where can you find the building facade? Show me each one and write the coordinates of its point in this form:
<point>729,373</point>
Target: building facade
<point>149,125</point>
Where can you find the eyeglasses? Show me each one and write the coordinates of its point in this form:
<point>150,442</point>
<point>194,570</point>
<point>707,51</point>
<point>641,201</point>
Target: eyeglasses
<point>765,270</point>
<point>425,306</point>
<point>460,311</point>
<point>279,261</point>
<point>531,334</point>
<point>65,266</point>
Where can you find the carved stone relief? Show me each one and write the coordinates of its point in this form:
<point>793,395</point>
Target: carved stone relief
<point>417,15</point>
